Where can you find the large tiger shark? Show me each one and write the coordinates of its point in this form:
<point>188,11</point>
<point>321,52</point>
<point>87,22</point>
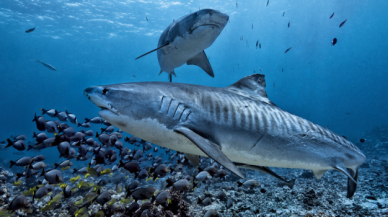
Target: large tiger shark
<point>237,126</point>
<point>185,40</point>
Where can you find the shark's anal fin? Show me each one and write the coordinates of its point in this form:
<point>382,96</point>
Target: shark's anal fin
<point>166,44</point>
<point>352,186</point>
<point>193,158</point>
<point>202,61</point>
<point>268,171</point>
<point>210,148</point>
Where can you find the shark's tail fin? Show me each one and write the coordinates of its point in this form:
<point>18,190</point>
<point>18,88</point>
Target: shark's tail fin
<point>352,186</point>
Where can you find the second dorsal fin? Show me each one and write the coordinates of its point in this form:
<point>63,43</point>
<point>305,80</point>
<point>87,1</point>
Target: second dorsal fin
<point>251,86</point>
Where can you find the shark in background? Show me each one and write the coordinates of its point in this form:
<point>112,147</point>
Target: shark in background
<point>185,40</point>
<point>237,126</point>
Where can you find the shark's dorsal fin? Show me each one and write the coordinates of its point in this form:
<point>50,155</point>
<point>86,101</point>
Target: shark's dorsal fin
<point>251,86</point>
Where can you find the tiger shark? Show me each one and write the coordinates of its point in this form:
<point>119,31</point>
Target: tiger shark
<point>185,40</point>
<point>236,126</point>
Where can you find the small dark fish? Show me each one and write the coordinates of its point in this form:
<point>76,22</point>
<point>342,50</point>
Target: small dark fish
<point>133,75</point>
<point>260,45</point>
<point>267,2</point>
<point>252,25</point>
<point>332,16</point>
<point>288,50</point>
<point>342,23</point>
<point>273,84</point>
<point>30,30</point>
<point>146,18</point>
<point>282,70</point>
<point>289,24</point>
<point>257,43</point>
<point>362,140</point>
<point>283,13</point>
<point>334,41</point>
<point>47,65</point>
<point>236,4</point>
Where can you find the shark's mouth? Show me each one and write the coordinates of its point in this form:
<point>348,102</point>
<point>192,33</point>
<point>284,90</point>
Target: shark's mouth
<point>214,25</point>
<point>108,108</point>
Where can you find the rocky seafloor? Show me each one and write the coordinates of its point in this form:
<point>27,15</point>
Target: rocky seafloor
<point>308,197</point>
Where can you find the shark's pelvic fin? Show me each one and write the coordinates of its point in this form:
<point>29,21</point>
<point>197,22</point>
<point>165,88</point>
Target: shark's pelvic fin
<point>251,86</point>
<point>166,44</point>
<point>193,158</point>
<point>352,186</point>
<point>202,61</point>
<point>268,171</point>
<point>211,149</point>
<point>318,173</point>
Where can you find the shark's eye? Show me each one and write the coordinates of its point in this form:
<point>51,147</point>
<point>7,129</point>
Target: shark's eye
<point>210,13</point>
<point>196,14</point>
<point>104,91</point>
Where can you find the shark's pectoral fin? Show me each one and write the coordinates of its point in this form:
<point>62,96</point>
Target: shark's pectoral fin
<point>352,186</point>
<point>193,158</point>
<point>202,61</point>
<point>268,171</point>
<point>318,173</point>
<point>209,148</point>
<point>166,44</point>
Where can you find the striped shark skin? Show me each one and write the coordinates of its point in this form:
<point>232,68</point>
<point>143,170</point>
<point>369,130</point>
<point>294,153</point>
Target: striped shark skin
<point>237,126</point>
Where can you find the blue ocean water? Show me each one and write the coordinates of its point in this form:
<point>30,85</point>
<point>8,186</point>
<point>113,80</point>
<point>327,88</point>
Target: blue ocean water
<point>95,42</point>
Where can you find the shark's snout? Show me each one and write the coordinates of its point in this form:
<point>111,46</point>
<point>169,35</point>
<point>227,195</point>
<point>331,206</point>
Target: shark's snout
<point>97,95</point>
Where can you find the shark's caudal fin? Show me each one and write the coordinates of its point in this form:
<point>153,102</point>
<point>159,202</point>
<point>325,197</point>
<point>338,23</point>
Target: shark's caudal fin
<point>166,44</point>
<point>209,148</point>
<point>251,86</point>
<point>352,186</point>
<point>202,61</point>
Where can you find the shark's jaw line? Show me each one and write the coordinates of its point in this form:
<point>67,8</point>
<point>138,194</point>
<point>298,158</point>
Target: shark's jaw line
<point>212,25</point>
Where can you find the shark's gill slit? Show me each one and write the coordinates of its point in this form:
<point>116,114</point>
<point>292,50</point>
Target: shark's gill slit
<point>176,110</point>
<point>161,103</point>
<point>182,113</point>
<point>169,105</point>
<point>187,116</point>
